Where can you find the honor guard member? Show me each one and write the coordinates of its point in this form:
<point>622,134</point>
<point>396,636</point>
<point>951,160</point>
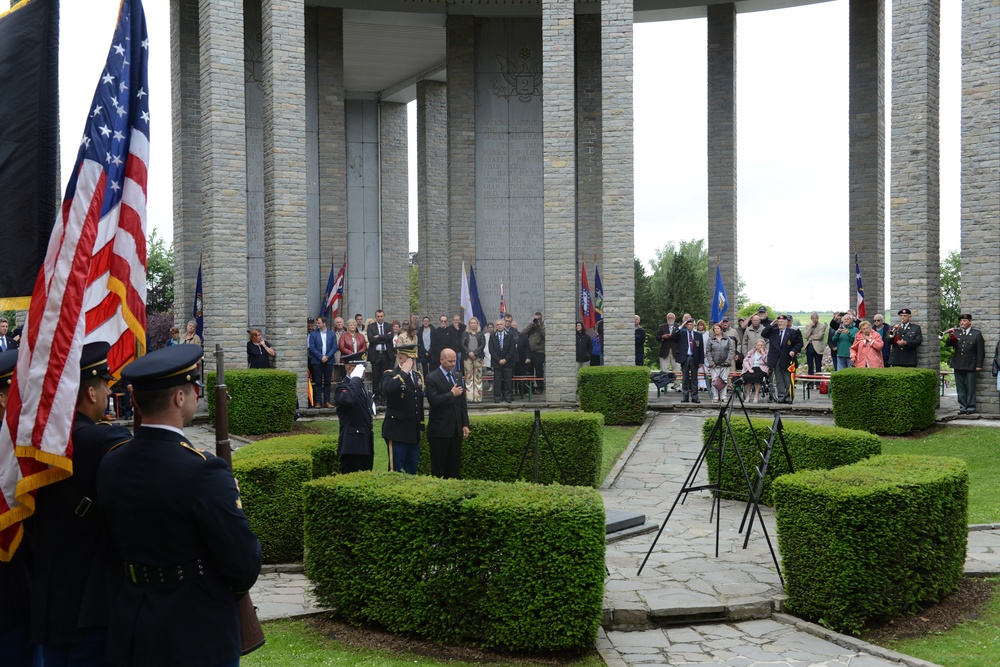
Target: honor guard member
<point>966,360</point>
<point>186,550</point>
<point>355,409</point>
<point>74,572</point>
<point>906,337</point>
<point>15,646</point>
<point>403,390</point>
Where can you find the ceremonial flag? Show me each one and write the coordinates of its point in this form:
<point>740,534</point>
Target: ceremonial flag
<point>334,297</point>
<point>598,295</point>
<point>861,288</point>
<point>29,136</point>
<point>477,306</point>
<point>503,302</point>
<point>92,284</point>
<point>466,297</point>
<point>586,307</point>
<point>720,304</point>
<point>199,311</point>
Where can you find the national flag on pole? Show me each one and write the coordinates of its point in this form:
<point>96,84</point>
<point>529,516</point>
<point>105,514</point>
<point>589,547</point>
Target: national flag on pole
<point>334,296</point>
<point>477,306</point>
<point>598,295</point>
<point>586,307</point>
<point>720,304</point>
<point>861,288</point>
<point>199,310</point>
<point>92,284</point>
<point>466,297</point>
<point>503,302</point>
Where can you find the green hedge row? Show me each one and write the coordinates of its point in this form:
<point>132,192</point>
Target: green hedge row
<point>888,401</point>
<point>620,393</point>
<point>810,446</point>
<point>263,400</point>
<point>875,539</point>
<point>271,474</point>
<point>515,566</point>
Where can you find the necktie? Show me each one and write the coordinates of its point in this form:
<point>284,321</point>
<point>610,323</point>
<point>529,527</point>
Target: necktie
<point>450,379</point>
<point>690,343</point>
<point>781,339</point>
<point>3,343</point>
<point>501,341</point>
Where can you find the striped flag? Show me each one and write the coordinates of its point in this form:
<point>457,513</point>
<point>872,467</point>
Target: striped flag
<point>503,302</point>
<point>598,295</point>
<point>587,315</point>
<point>861,288</point>
<point>92,284</point>
<point>466,297</point>
<point>334,293</point>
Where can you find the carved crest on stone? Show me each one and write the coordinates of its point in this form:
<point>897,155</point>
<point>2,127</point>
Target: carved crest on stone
<point>522,76</point>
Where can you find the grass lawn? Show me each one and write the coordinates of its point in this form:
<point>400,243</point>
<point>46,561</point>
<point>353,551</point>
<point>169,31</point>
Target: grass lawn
<point>979,448</point>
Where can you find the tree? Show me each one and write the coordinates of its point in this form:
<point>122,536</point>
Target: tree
<point>414,289</point>
<point>159,275</point>
<point>951,297</point>
<point>689,296</point>
<point>645,308</point>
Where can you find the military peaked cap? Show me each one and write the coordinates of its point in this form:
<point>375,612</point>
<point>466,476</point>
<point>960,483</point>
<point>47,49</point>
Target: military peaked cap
<point>94,361</point>
<point>167,367</point>
<point>8,360</point>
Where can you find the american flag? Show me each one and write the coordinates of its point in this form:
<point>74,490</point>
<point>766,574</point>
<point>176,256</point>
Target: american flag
<point>92,284</point>
<point>335,293</point>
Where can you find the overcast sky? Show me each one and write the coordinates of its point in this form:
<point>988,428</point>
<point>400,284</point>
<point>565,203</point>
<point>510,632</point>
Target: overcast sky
<point>792,137</point>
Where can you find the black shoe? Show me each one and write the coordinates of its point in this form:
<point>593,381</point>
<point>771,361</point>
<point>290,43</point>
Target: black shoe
<point>969,412</point>
<point>496,400</point>
<point>961,412</point>
<point>685,400</point>
<point>696,400</point>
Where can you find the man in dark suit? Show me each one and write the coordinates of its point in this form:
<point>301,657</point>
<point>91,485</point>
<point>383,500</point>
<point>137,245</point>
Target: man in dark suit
<point>784,345</point>
<point>356,445</point>
<point>322,348</point>
<point>905,337</point>
<point>441,339</point>
<point>967,360</point>
<point>425,343</point>
<point>503,357</point>
<point>665,335</point>
<point>380,352</point>
<point>448,422</point>
<point>186,551</point>
<point>690,354</point>
<point>403,389</point>
<point>7,340</point>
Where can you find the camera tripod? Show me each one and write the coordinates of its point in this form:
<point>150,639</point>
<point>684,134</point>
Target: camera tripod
<point>532,444</point>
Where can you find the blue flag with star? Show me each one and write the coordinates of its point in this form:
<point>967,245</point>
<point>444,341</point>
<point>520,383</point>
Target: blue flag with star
<point>720,302</point>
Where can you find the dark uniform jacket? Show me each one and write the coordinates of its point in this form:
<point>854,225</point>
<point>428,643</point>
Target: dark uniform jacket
<point>905,355</point>
<point>448,413</point>
<point>441,338</point>
<point>970,349</point>
<point>14,582</point>
<point>354,410</point>
<point>175,514</point>
<point>404,406</point>
<point>681,346</point>
<point>74,571</point>
<point>792,344</point>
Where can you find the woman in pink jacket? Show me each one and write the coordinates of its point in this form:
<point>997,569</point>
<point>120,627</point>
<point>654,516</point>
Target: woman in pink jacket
<point>866,352</point>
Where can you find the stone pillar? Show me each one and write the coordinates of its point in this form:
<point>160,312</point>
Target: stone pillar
<point>589,189</point>
<point>722,151</point>
<point>914,183</point>
<point>461,119</point>
<point>285,183</point>
<point>618,276</point>
<point>185,106</point>
<point>866,194</point>
<point>559,217</point>
<point>981,183</point>
<point>433,238</point>
<point>364,242</point>
<point>394,191</point>
<point>223,178</point>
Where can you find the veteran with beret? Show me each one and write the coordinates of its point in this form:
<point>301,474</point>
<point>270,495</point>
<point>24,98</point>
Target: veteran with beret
<point>906,337</point>
<point>403,390</point>
<point>966,360</point>
<point>185,547</point>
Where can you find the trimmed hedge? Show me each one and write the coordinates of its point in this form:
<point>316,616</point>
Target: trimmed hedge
<point>271,473</point>
<point>875,539</point>
<point>888,401</point>
<point>811,446</point>
<point>514,566</point>
<point>496,444</point>
<point>263,400</point>
<point>620,393</point>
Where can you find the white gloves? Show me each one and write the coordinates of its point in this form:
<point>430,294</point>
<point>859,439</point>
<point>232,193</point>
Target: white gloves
<point>359,371</point>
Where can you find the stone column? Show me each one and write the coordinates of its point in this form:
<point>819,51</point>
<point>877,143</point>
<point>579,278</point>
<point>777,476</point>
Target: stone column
<point>866,194</point>
<point>559,217</point>
<point>432,198</point>
<point>285,182</point>
<point>185,106</point>
<point>981,183</point>
<point>618,276</point>
<point>722,151</point>
<point>461,119</point>
<point>914,183</point>
<point>394,190</point>
<point>589,188</point>
<point>223,178</point>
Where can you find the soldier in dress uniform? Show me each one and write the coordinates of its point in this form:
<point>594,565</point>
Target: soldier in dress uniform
<point>355,409</point>
<point>403,390</point>
<point>967,360</point>
<point>186,549</point>
<point>74,572</point>
<point>905,337</point>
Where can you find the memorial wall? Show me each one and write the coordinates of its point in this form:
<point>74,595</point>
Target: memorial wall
<point>253,55</point>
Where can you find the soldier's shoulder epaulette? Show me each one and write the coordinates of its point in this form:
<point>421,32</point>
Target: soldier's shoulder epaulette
<point>388,370</point>
<point>117,445</point>
<point>191,448</point>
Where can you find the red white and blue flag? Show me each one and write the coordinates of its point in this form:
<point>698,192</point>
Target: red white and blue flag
<point>334,297</point>
<point>503,302</point>
<point>861,287</point>
<point>92,284</point>
<point>587,315</point>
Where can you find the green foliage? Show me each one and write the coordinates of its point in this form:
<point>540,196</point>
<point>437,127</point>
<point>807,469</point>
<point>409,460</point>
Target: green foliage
<point>874,539</point>
<point>888,401</point>
<point>271,474</point>
<point>679,280</point>
<point>263,400</point>
<point>750,310</point>
<point>951,298</point>
<point>516,566</point>
<point>11,317</point>
<point>159,275</point>
<point>414,289</point>
<point>645,308</point>
<point>810,446</point>
<point>620,393</point>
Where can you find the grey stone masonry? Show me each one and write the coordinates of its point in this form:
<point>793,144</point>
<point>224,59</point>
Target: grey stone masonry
<point>559,217</point>
<point>866,162</point>
<point>285,182</point>
<point>461,119</point>
<point>618,267</point>
<point>981,182</point>
<point>915,221</point>
<point>395,211</point>
<point>589,192</point>
<point>223,178</point>
<point>432,198</point>
<point>722,150</point>
<point>185,107</point>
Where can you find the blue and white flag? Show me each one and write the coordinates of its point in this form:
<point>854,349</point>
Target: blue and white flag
<point>720,303</point>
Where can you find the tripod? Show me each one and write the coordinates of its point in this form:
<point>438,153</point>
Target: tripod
<point>723,429</point>
<point>532,443</point>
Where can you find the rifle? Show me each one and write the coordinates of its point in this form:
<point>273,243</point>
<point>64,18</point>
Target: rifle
<point>251,633</point>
